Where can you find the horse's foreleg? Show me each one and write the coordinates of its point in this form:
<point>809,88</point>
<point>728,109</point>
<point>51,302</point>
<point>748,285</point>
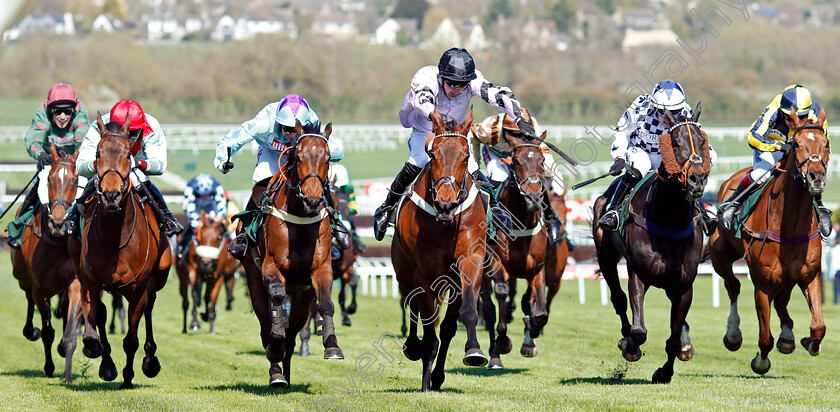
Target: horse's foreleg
<point>30,332</point>
<point>674,346</point>
<point>722,257</point>
<point>631,344</point>
<point>539,309</point>
<point>276,288</point>
<point>813,294</point>
<point>786,342</point>
<point>345,319</point>
<point>353,282</point>
<point>428,312</point>
<point>502,290</point>
<point>447,332</point>
<point>322,282</point>
<point>184,289</point>
<point>92,345</point>
<point>299,315</point>
<point>489,312</point>
<point>259,299</point>
<point>761,364</point>
<point>107,369</point>
<point>195,283</point>
<point>212,303</point>
<point>47,331</point>
<point>470,288</point>
<point>130,341</point>
<point>151,364</point>
<point>609,271</point>
<point>306,332</point>
<point>72,317</point>
<point>510,304</point>
<point>229,283</point>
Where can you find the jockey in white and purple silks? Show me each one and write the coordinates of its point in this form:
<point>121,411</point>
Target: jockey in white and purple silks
<point>449,86</point>
<point>274,130</point>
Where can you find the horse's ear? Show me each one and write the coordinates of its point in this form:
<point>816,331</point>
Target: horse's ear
<point>464,127</point>
<point>670,117</point>
<point>298,128</point>
<point>54,152</point>
<point>99,123</point>
<point>328,131</point>
<point>126,127</point>
<point>794,118</point>
<point>697,111</point>
<point>543,135</point>
<point>821,117</point>
<point>437,122</point>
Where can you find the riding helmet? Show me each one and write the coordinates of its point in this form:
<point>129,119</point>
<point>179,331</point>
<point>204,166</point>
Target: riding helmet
<point>457,65</point>
<point>796,96</point>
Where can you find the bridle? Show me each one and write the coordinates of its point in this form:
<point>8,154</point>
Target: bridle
<point>695,158</point>
<point>61,201</point>
<point>298,188</point>
<point>514,178</point>
<point>437,184</point>
<point>797,174</point>
<point>124,185</point>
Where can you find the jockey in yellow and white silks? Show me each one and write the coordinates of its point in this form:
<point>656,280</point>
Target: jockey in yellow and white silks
<point>768,136</point>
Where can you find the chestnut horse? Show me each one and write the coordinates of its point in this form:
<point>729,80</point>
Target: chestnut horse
<point>439,246</point>
<point>43,266</point>
<point>121,249</point>
<point>520,253</point>
<point>662,241</point>
<point>292,254</point>
<point>780,252</point>
<point>206,262</point>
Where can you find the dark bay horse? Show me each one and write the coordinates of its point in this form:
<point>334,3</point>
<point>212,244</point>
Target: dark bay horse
<point>292,255</point>
<point>662,241</point>
<point>121,250</point>
<point>206,262</point>
<point>43,266</point>
<point>439,247</point>
<point>781,252</point>
<point>520,253</point>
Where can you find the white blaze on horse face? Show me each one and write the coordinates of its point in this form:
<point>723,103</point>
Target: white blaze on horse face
<point>530,155</point>
<point>811,136</point>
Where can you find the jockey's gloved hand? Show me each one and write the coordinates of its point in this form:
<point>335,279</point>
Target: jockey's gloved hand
<point>138,164</point>
<point>44,159</point>
<point>526,129</point>
<point>617,167</point>
<point>226,166</point>
<point>784,147</point>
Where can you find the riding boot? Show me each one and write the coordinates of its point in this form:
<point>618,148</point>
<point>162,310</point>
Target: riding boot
<point>709,219</point>
<point>171,226</point>
<point>609,220</point>
<point>29,201</point>
<point>730,207</point>
<point>76,212</point>
<point>553,228</point>
<point>824,217</point>
<point>339,231</point>
<point>500,216</point>
<point>383,213</point>
<point>181,248</point>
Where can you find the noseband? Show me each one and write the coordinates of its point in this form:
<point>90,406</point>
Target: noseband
<point>124,185</point>
<point>60,200</point>
<point>518,182</point>
<point>437,184</point>
<point>298,188</point>
<point>812,158</point>
<point>694,158</point>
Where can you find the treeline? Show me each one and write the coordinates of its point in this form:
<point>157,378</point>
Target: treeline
<point>350,82</point>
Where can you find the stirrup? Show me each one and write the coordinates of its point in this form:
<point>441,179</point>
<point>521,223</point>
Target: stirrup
<point>239,246</point>
<point>727,214</point>
<point>609,221</point>
<point>12,242</point>
<point>172,227</point>
<point>824,222</point>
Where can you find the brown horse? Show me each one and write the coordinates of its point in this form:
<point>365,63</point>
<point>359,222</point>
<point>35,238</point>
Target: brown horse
<point>662,241</point>
<point>556,257</point>
<point>780,252</point>
<point>206,262</point>
<point>520,253</point>
<point>121,250</point>
<point>43,266</point>
<point>439,246</point>
<point>292,254</point>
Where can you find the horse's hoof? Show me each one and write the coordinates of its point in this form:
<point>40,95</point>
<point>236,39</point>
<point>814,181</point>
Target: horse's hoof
<point>333,353</point>
<point>229,307</point>
<point>278,381</point>
<point>31,333</point>
<point>351,309</point>
<point>760,366</point>
<point>504,345</point>
<point>659,377</point>
<point>49,368</point>
<point>205,316</point>
<point>624,345</point>
<point>346,321</point>
<point>411,349</point>
<point>809,345</point>
<point>786,346</point>
<point>92,348</point>
<point>151,366</point>
<point>108,371</point>
<point>732,345</point>
<point>528,351</point>
<point>67,378</point>
<point>495,364</point>
<point>195,326</point>
<point>127,385</point>
<point>686,353</point>
<point>474,357</point>
<point>60,349</point>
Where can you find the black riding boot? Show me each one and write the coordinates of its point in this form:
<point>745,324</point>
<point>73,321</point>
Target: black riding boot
<point>171,226</point>
<point>824,217</point>
<point>383,213</point>
<point>729,208</point>
<point>626,182</point>
<point>709,219</point>
<point>499,215</point>
<point>339,231</point>
<point>239,246</point>
<point>72,221</point>
<point>552,223</point>
<point>29,201</point>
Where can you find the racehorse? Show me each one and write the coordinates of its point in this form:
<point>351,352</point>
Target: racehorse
<point>344,271</point>
<point>520,253</point>
<point>292,254</point>
<point>43,266</point>
<point>439,247</point>
<point>206,261</point>
<point>661,241</point>
<point>121,249</point>
<point>557,256</point>
<point>780,252</point>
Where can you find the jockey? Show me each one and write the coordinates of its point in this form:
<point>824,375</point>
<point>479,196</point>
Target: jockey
<point>61,121</point>
<point>636,145</point>
<point>274,130</point>
<point>493,132</point>
<point>449,86</point>
<point>344,187</point>
<point>203,193</point>
<point>769,136</point>
<point>148,158</point>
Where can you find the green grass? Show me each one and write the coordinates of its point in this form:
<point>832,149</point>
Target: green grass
<point>577,367</point>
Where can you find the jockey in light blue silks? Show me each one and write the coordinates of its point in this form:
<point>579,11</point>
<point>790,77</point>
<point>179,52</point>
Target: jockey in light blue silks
<point>274,130</point>
<point>203,193</point>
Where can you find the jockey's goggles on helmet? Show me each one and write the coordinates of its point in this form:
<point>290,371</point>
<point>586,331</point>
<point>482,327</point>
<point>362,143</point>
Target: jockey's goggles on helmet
<point>455,85</point>
<point>661,112</point>
<point>287,129</point>
<point>62,110</point>
<point>135,134</point>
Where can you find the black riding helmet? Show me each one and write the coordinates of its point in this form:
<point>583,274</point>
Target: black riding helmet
<point>457,65</point>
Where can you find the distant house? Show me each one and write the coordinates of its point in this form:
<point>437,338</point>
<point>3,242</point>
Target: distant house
<point>338,25</point>
<point>390,30</point>
<point>530,34</point>
<point>39,24</point>
<point>172,24</point>
<point>107,23</point>
<point>466,33</point>
<point>642,38</point>
<point>253,23</point>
